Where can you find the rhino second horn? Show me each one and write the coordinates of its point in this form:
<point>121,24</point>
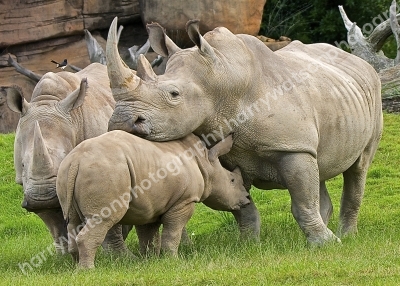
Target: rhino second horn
<point>42,164</point>
<point>122,78</point>
<point>144,69</point>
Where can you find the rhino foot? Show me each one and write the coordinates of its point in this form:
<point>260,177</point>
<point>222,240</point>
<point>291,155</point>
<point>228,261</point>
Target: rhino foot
<point>326,238</point>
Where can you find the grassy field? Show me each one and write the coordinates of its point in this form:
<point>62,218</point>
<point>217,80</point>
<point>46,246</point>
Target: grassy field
<point>217,256</point>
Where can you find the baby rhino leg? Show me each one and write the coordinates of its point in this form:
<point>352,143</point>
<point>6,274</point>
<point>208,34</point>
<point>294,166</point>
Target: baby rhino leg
<point>173,223</point>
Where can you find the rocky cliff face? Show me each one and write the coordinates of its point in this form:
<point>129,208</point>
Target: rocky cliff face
<point>239,16</point>
<point>34,20</point>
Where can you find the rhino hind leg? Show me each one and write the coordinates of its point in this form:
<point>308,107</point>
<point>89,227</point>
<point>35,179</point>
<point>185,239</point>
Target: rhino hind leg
<point>89,239</point>
<point>149,238</point>
<point>354,180</point>
<point>325,203</point>
<point>300,174</point>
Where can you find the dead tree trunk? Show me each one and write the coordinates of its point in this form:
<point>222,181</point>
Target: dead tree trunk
<point>369,49</point>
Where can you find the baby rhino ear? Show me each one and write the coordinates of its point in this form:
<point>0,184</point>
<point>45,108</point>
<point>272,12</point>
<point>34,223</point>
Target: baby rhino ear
<point>221,148</point>
<point>15,99</point>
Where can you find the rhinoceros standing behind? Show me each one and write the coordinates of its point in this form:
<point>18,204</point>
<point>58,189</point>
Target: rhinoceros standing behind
<point>63,112</point>
<point>141,183</point>
<point>300,115</point>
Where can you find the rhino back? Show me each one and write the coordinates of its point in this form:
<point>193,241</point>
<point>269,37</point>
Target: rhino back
<point>302,98</point>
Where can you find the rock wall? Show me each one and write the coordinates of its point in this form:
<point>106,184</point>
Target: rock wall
<point>30,20</point>
<point>239,16</point>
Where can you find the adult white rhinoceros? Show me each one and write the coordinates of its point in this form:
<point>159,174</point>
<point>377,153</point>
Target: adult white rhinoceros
<point>63,112</point>
<point>300,116</point>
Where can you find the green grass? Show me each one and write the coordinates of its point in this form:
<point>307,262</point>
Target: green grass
<point>217,256</point>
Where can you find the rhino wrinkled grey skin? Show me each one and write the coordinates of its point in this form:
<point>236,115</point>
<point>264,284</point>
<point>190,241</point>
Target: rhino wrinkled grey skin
<point>142,183</point>
<point>300,115</point>
<point>63,112</point>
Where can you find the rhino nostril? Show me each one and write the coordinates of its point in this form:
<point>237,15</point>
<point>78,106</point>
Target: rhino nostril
<point>24,204</point>
<point>140,119</point>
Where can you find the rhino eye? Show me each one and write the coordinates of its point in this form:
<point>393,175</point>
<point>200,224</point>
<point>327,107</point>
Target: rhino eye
<point>232,180</point>
<point>174,93</point>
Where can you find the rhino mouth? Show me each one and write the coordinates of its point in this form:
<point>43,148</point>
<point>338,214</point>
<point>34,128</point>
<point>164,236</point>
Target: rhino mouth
<point>39,198</point>
<point>245,202</point>
<point>36,206</point>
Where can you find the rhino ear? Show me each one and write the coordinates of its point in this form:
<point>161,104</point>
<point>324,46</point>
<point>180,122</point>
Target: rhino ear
<point>144,69</point>
<point>160,42</point>
<point>221,148</point>
<point>75,98</point>
<point>15,99</point>
<point>192,28</point>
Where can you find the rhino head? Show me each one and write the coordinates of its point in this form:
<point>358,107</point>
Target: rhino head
<point>45,135</point>
<point>225,190</point>
<point>187,97</point>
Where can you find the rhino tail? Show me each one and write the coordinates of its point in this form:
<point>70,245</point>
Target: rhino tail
<point>71,179</point>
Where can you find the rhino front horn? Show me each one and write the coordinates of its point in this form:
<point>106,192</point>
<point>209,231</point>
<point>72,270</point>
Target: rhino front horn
<point>42,164</point>
<point>122,78</point>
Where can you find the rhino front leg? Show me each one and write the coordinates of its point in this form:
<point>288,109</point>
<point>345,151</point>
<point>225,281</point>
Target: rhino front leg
<point>126,229</point>
<point>325,203</point>
<point>173,223</point>
<point>54,221</point>
<point>300,174</point>
<point>248,219</point>
<point>149,238</point>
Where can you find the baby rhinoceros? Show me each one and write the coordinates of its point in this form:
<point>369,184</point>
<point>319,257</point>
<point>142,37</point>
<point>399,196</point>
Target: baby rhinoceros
<point>121,178</point>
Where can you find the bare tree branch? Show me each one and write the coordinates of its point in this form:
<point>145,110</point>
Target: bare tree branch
<point>74,68</point>
<point>368,48</point>
<point>119,32</point>
<point>35,77</point>
<point>395,29</point>
<point>96,52</point>
<point>135,51</point>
